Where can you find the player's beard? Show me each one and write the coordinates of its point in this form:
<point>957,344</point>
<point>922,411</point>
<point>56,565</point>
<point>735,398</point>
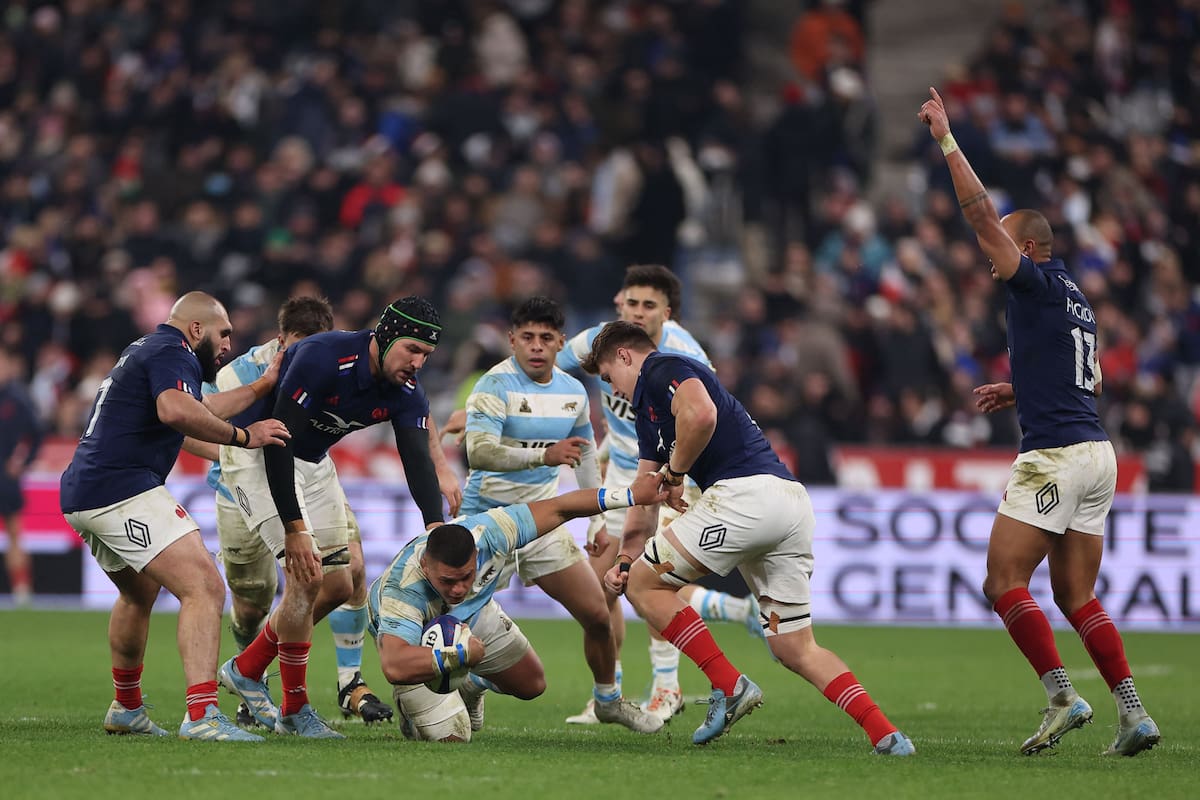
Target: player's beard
<point>206,351</point>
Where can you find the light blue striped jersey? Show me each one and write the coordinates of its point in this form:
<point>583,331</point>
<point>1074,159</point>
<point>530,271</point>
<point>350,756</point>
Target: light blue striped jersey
<point>402,601</point>
<point>522,413</point>
<point>620,416</point>
<point>246,368</point>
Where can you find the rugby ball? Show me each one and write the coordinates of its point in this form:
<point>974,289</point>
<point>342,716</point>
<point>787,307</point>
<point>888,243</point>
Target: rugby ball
<point>445,633</point>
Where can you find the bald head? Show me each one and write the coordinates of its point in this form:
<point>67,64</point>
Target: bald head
<point>196,307</point>
<point>205,322</point>
<point>1026,225</point>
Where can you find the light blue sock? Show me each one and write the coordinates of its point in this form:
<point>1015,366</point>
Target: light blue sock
<point>349,626</point>
<point>481,684</point>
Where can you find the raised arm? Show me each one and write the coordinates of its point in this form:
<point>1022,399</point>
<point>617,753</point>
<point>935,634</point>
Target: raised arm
<point>977,206</point>
<point>550,514</point>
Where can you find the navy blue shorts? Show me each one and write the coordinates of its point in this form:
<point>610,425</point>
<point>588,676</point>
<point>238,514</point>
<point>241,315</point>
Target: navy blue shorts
<point>11,498</point>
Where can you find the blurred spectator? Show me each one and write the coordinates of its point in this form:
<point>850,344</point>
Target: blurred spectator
<point>478,151</point>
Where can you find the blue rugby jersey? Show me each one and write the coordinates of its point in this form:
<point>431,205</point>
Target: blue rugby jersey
<point>401,601</point>
<point>737,448</point>
<point>621,419</point>
<point>522,413</point>
<point>1052,351</point>
<point>125,449</point>
<point>329,375</point>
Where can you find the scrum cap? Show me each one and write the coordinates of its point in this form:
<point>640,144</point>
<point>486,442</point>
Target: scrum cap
<point>408,318</point>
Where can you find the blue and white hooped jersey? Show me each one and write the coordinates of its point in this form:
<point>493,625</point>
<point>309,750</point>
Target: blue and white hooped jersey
<point>243,370</point>
<point>522,413</point>
<point>618,414</point>
<point>1052,352</point>
<point>401,601</point>
<point>125,449</point>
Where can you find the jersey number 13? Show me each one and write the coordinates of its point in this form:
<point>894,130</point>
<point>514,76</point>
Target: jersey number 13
<point>1085,359</point>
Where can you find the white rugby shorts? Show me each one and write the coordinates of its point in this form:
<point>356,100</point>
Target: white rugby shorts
<point>1063,488</point>
<point>132,532</point>
<point>760,524</point>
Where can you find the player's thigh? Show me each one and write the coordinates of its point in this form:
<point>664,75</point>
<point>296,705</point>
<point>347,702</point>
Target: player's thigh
<point>433,717</point>
<point>1098,465</point>
<point>185,568</point>
<point>504,643</point>
<point>578,590</point>
<point>133,532</point>
<point>325,507</point>
<point>1057,488</point>
<point>250,567</point>
<point>1015,548</point>
<point>742,520</point>
<point>548,554</point>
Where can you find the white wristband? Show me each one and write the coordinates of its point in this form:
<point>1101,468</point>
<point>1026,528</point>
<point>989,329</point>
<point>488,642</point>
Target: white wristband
<point>614,498</point>
<point>947,144</point>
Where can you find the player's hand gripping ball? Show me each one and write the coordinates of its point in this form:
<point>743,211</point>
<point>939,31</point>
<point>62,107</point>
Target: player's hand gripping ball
<point>448,636</point>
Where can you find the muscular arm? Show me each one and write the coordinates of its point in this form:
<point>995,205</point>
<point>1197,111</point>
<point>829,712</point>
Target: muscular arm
<point>206,450</point>
<point>695,421</point>
<point>977,206</point>
<point>236,400</point>
<point>190,417</point>
<point>403,663</point>
<point>550,514</point>
<point>413,446</point>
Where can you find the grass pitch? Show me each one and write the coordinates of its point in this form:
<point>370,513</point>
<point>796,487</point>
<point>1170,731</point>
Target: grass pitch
<point>965,697</point>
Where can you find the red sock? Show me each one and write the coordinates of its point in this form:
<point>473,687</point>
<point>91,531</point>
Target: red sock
<point>688,632</point>
<point>1102,641</point>
<point>199,697</point>
<point>847,693</point>
<point>254,660</point>
<point>1029,628</point>
<point>293,668</point>
<point>128,684</point>
<point>20,579</point>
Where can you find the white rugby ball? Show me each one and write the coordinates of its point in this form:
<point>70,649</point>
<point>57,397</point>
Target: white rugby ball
<point>445,633</point>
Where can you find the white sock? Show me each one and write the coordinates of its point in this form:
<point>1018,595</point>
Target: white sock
<point>1127,697</point>
<point>718,606</point>
<point>606,692</point>
<point>617,674</point>
<point>664,658</point>
<point>1055,681</point>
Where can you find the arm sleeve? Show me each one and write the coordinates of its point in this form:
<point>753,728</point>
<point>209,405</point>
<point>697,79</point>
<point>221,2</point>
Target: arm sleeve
<point>413,446</point>
<point>484,451</point>
<point>281,461</point>
<point>486,414</point>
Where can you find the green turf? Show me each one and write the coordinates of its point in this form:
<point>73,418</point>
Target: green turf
<point>966,698</point>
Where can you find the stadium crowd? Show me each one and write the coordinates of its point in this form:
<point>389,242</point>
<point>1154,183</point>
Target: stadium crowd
<point>478,152</point>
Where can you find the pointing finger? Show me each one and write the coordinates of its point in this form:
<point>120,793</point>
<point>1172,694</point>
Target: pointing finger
<point>936,96</point>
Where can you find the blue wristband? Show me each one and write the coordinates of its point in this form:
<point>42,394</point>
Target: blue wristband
<point>600,499</point>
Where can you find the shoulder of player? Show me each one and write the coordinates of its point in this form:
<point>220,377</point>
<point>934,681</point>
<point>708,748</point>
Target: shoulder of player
<point>565,381</point>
